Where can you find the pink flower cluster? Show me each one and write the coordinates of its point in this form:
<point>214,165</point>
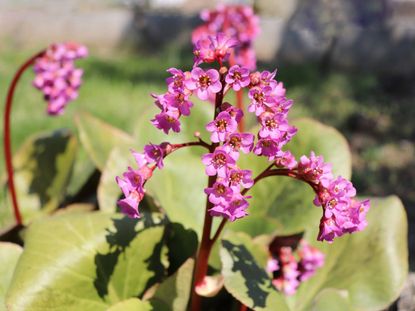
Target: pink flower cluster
<point>225,194</point>
<point>56,75</point>
<point>268,102</point>
<point>237,22</point>
<point>289,270</point>
<point>342,212</point>
<point>132,182</point>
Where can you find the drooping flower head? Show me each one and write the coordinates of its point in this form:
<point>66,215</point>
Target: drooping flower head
<point>56,75</point>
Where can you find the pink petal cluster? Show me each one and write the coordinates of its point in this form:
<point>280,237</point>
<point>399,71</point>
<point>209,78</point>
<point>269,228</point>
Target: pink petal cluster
<point>226,193</point>
<point>342,212</point>
<point>213,48</point>
<point>174,103</point>
<point>271,107</point>
<point>132,181</point>
<point>237,22</point>
<point>56,75</point>
<point>288,272</point>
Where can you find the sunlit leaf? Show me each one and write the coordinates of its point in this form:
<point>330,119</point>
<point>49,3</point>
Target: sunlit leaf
<point>42,168</point>
<point>245,276</point>
<point>9,254</point>
<point>99,138</point>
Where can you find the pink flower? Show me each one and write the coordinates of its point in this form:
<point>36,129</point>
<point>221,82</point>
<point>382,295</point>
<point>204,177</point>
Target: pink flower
<point>260,99</point>
<point>154,153</point>
<point>132,187</point>
<point>176,81</point>
<point>203,51</point>
<point>272,265</point>
<point>310,260</point>
<point>315,170</point>
<point>219,193</point>
<point>221,127</point>
<point>234,209</point>
<point>288,281</point>
<point>222,46</point>
<point>238,177</point>
<point>239,142</point>
<point>57,77</point>
<point>237,22</point>
<point>238,77</point>
<point>217,162</point>
<point>167,121</point>
<point>267,147</point>
<point>180,101</point>
<point>204,83</point>
<point>285,159</point>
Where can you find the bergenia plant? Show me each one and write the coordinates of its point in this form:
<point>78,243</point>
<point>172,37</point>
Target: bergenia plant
<point>166,250</point>
<point>228,184</point>
<point>58,79</point>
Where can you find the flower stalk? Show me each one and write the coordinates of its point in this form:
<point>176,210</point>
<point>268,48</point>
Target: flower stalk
<point>7,135</point>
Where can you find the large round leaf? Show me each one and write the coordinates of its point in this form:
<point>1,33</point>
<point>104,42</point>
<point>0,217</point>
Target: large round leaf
<point>9,254</point>
<point>289,203</point>
<point>245,277</point>
<point>87,262</point>
<point>42,168</point>
<point>99,138</point>
<point>370,266</point>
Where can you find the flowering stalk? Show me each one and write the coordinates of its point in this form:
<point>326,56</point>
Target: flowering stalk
<point>7,134</point>
<point>59,81</point>
<point>228,184</point>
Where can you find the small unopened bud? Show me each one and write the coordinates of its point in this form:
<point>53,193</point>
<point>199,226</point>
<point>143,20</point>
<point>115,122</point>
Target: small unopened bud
<point>223,70</point>
<point>196,134</point>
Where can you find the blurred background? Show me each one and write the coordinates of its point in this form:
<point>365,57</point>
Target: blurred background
<point>347,63</point>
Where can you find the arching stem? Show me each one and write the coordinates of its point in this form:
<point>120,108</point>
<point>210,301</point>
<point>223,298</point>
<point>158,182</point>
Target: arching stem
<point>7,135</point>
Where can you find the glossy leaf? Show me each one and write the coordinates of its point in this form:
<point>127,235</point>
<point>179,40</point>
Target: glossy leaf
<point>245,278</point>
<point>370,266</point>
<point>99,138</point>
<point>42,166</point>
<point>90,262</point>
<point>9,255</point>
<point>289,203</point>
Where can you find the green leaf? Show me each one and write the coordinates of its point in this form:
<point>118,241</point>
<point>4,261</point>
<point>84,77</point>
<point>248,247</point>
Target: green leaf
<point>245,278</point>
<point>108,191</point>
<point>132,304</point>
<point>175,291</point>
<point>9,255</point>
<point>332,299</point>
<point>99,138</point>
<point>90,262</point>
<point>181,243</point>
<point>179,192</point>
<point>83,170</point>
<point>286,202</point>
<point>371,266</point>
<point>42,169</point>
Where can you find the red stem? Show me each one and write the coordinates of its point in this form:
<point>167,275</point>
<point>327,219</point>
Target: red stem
<point>7,134</point>
<point>240,105</point>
